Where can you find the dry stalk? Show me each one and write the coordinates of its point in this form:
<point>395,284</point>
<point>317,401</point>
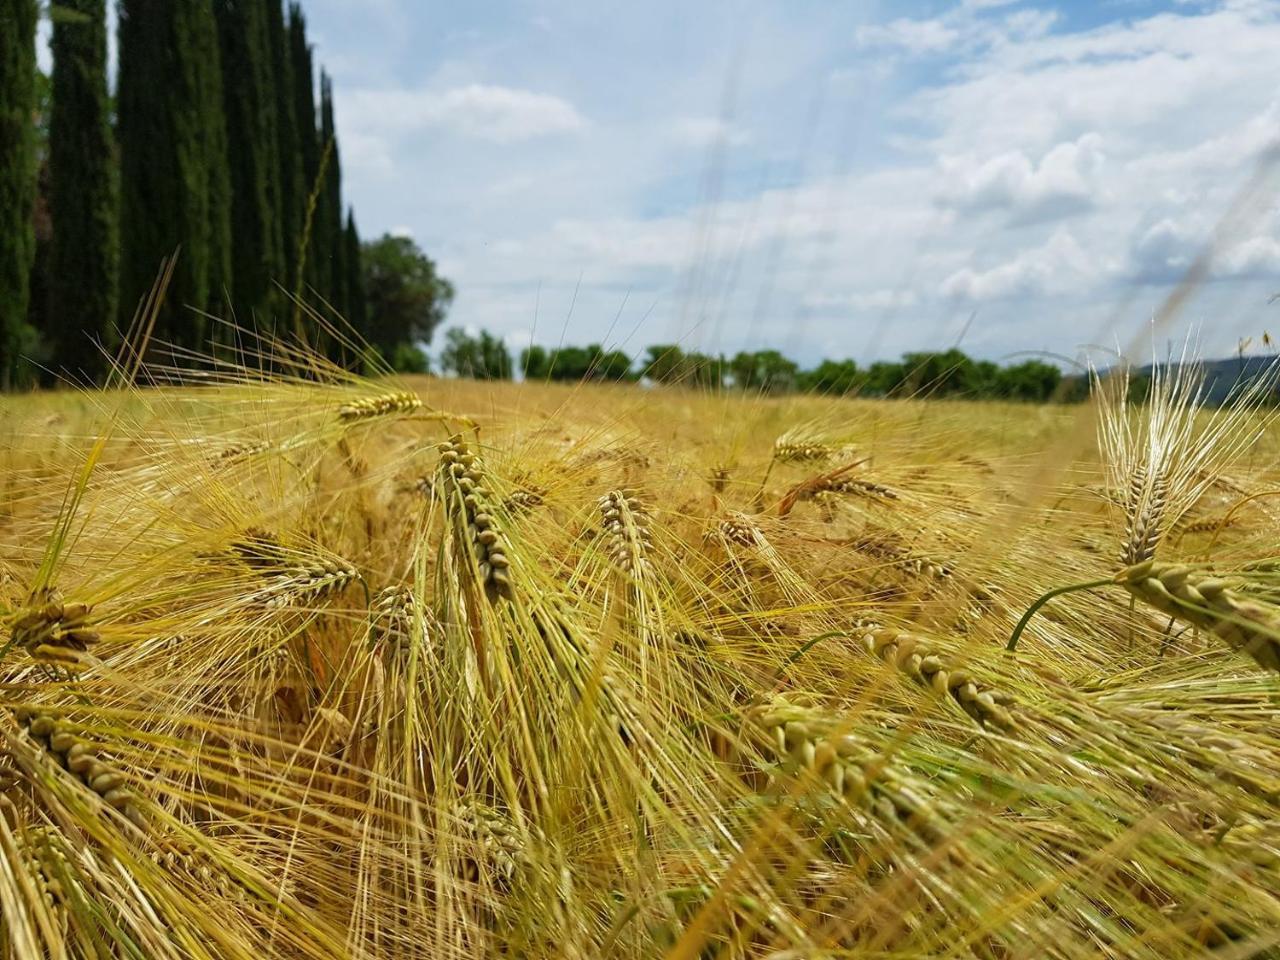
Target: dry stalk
<point>463,474</point>
<point>626,525</point>
<point>54,631</point>
<point>913,656</point>
<point>1207,602</point>
<point>81,759</point>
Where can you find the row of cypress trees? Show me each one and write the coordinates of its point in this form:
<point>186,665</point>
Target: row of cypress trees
<point>213,143</point>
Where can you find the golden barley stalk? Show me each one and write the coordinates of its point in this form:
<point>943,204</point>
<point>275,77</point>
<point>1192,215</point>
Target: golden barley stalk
<point>382,405</point>
<point>626,527</point>
<point>463,476</point>
<point>81,758</point>
<point>54,631</point>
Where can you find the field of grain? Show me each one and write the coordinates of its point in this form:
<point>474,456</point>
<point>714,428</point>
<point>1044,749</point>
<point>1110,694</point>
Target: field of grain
<point>317,666</point>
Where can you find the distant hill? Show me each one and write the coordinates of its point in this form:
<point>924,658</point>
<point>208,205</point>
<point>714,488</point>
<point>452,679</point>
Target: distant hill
<point>1221,377</point>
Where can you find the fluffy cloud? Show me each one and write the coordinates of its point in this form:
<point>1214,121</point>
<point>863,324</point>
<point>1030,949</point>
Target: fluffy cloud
<point>1065,180</point>
<point>1056,267</point>
<point>993,154</point>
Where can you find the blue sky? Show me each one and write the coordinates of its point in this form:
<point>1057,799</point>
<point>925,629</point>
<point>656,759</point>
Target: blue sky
<point>830,179</point>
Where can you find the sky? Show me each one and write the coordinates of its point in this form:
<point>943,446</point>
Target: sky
<point>829,179</point>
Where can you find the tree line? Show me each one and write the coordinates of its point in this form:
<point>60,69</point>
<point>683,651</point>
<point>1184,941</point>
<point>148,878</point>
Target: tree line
<point>949,373</point>
<point>213,144</point>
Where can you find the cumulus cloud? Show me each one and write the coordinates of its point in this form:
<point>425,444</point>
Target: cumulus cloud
<point>1057,266</point>
<point>1066,180</point>
<point>497,114</point>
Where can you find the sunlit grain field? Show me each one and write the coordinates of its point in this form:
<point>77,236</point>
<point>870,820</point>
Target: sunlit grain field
<point>333,667</point>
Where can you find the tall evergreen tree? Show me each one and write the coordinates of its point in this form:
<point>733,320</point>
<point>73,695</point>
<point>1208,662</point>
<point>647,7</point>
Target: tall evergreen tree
<point>175,188</point>
<point>357,308</point>
<point>253,151</point>
<point>290,196</point>
<point>85,255</point>
<point>330,242</point>
<point>304,114</point>
<point>17,177</point>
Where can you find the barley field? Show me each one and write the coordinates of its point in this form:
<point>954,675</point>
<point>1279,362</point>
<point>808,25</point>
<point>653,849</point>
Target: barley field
<point>303,665</point>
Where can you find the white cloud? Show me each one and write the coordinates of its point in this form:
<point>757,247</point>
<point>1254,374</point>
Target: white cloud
<point>498,114</point>
<point>402,232</point>
<point>1066,180</point>
<point>1057,266</point>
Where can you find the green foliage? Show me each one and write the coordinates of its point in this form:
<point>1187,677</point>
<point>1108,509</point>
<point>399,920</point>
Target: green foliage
<point>17,181</point>
<point>482,357</point>
<point>832,377</point>
<point>307,146</point>
<point>328,243</point>
<point>406,299</point>
<point>668,363</point>
<point>85,257</point>
<point>410,358</point>
<point>765,371</point>
<point>290,190</point>
<point>575,364</point>
<point>252,149</point>
<point>175,188</point>
<point>357,309</point>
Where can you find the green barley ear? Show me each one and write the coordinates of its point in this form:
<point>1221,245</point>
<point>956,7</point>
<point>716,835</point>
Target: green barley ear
<point>1205,601</point>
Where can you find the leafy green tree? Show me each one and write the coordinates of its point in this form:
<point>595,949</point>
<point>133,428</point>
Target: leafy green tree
<point>84,255</point>
<point>252,151</point>
<point>482,357</point>
<point>668,363</point>
<point>406,299</point>
<point>767,371</point>
<point>837,377</point>
<point>410,358</point>
<point>17,180</point>
<point>1031,380</point>
<point>535,362</point>
<point>883,378</point>
<point>175,188</point>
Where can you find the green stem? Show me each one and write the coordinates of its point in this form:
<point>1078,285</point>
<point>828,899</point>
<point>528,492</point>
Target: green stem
<point>1031,611</point>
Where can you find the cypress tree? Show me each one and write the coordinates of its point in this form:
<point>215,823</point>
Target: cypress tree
<point>85,256</point>
<point>330,242</point>
<point>357,309</point>
<point>17,177</point>
<point>175,188</point>
<point>252,150</point>
<point>304,118</point>
<point>290,198</point>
